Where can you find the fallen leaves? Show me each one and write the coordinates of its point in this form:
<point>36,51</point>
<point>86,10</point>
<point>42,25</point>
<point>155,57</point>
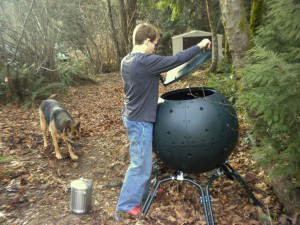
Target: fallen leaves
<point>41,182</point>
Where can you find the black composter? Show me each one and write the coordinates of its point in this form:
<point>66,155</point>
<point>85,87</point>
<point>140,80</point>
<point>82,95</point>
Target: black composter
<point>196,131</point>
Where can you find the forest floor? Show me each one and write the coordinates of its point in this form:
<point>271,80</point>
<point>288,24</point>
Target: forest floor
<point>35,186</point>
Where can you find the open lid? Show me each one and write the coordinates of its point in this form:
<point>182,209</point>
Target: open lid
<point>186,68</point>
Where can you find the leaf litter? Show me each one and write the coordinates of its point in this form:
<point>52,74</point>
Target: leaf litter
<point>35,186</point>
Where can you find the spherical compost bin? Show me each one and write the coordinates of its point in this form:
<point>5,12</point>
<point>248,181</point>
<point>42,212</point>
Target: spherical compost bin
<point>196,129</point>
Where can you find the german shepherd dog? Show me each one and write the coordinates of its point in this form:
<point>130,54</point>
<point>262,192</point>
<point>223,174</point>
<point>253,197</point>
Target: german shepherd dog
<point>61,125</point>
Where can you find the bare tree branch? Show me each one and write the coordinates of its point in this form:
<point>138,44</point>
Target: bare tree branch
<point>22,33</point>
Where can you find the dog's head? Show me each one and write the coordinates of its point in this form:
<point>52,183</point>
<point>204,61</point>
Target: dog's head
<point>71,134</point>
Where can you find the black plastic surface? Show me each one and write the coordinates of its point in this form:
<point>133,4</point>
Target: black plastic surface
<point>196,129</point>
<point>186,68</point>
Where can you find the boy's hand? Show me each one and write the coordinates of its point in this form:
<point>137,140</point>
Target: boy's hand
<point>205,44</point>
<point>163,77</point>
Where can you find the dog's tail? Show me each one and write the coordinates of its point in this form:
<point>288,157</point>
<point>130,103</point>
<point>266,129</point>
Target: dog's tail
<point>53,96</point>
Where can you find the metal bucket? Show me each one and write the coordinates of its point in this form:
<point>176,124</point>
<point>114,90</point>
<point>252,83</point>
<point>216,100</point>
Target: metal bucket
<point>81,196</point>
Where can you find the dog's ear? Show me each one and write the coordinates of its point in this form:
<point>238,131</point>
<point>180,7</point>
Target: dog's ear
<point>67,129</point>
<point>77,126</point>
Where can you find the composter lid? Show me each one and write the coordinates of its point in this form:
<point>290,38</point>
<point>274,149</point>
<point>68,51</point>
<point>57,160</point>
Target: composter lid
<point>186,68</point>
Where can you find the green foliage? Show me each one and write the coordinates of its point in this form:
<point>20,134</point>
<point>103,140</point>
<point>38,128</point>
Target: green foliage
<point>4,159</point>
<point>30,85</point>
<point>173,17</point>
<point>257,12</point>
<point>19,75</point>
<point>225,80</point>
<point>41,89</point>
<point>174,5</point>
<point>70,71</point>
<point>272,90</point>
<point>33,38</point>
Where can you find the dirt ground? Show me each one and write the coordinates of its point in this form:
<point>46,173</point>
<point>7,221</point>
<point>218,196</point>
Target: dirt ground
<point>35,186</point>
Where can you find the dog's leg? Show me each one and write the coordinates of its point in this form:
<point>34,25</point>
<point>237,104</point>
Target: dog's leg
<point>73,156</point>
<point>44,127</point>
<point>55,144</point>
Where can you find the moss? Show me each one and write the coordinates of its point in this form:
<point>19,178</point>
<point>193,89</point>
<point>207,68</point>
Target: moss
<point>257,13</point>
<point>244,24</point>
<point>226,48</point>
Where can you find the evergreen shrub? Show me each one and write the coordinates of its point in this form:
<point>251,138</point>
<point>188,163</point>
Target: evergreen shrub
<point>271,90</point>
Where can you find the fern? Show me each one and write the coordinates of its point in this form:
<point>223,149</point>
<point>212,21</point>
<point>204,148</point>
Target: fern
<point>42,90</point>
<point>70,70</point>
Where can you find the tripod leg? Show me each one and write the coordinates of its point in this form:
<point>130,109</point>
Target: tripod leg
<point>243,184</point>
<point>203,199</point>
<point>152,193</point>
<point>209,182</point>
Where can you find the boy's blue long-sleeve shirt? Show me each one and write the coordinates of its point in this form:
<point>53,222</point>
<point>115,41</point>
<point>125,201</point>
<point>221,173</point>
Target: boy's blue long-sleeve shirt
<point>141,74</point>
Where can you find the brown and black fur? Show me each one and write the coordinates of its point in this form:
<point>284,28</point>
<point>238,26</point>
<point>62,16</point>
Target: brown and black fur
<point>60,124</point>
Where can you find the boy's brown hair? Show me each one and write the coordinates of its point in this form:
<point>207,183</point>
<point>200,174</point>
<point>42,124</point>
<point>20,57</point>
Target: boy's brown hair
<point>144,31</point>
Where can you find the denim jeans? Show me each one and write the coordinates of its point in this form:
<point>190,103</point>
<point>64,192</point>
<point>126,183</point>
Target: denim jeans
<point>137,179</point>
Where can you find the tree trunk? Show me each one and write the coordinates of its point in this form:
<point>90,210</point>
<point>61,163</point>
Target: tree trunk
<point>49,67</point>
<point>124,30</point>
<point>257,13</point>
<point>10,90</point>
<point>113,31</point>
<point>227,54</point>
<point>128,22</point>
<point>131,20</point>
<point>213,22</point>
<point>237,29</point>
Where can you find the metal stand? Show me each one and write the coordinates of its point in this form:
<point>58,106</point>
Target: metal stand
<point>226,169</point>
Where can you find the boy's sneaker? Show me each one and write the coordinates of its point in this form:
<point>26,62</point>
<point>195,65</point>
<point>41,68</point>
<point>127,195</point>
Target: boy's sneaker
<point>135,211</point>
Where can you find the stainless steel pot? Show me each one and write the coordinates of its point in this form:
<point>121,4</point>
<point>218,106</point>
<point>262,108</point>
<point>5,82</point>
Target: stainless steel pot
<point>81,196</point>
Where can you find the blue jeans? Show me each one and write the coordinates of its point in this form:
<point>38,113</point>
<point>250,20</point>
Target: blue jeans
<point>137,179</point>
